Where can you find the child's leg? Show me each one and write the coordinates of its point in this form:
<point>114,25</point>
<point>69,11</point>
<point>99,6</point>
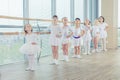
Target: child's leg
<point>78,50</point>
<point>86,46</point>
<point>93,43</point>
<point>97,41</point>
<point>104,44</point>
<point>66,52</point>
<point>75,52</point>
<point>56,55</point>
<point>75,49</point>
<point>66,49</point>
<point>56,52</point>
<point>31,61</point>
<point>89,45</point>
<point>53,51</point>
<point>63,48</point>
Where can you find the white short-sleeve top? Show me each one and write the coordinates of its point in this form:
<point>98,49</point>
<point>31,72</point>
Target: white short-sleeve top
<point>31,38</point>
<point>55,30</point>
<point>103,26</point>
<point>95,30</point>
<point>66,31</point>
<point>77,31</point>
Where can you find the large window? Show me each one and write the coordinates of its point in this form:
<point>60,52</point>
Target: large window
<point>119,13</point>
<point>40,9</point>
<point>11,8</point>
<point>79,9</point>
<point>99,14</point>
<point>63,8</point>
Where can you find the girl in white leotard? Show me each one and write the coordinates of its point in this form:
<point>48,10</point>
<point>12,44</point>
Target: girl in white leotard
<point>103,32</point>
<point>96,35</point>
<point>66,34</point>
<point>87,36</point>
<point>77,34</point>
<point>55,36</point>
<point>31,47</point>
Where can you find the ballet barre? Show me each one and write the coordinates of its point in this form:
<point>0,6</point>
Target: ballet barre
<point>18,33</point>
<point>30,19</point>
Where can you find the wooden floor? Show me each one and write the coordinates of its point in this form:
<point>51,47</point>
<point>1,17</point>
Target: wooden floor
<point>101,66</point>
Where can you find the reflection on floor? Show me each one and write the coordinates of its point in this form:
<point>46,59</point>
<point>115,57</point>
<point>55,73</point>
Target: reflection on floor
<point>98,66</point>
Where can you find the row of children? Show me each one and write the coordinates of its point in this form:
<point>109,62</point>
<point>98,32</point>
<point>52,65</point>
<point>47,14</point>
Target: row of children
<point>63,34</point>
<point>86,34</point>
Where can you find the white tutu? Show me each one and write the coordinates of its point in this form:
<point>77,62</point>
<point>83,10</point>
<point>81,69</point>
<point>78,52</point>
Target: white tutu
<point>30,49</point>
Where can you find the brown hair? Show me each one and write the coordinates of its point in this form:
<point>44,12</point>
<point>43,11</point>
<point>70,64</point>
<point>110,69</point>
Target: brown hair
<point>26,26</point>
<point>55,16</point>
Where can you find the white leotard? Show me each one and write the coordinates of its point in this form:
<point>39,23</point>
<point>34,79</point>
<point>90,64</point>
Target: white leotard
<point>76,32</point>
<point>28,47</point>
<point>65,32</point>
<point>96,31</point>
<point>103,32</point>
<point>55,30</point>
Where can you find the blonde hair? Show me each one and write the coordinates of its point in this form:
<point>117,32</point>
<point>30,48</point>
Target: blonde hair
<point>96,22</point>
<point>86,21</point>
<point>64,18</point>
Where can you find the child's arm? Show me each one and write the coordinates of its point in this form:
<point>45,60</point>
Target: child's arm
<point>106,26</point>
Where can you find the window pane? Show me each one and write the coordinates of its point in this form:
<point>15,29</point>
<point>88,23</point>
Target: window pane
<point>79,6</point>
<point>40,9</point>
<point>63,8</point>
<point>11,8</point>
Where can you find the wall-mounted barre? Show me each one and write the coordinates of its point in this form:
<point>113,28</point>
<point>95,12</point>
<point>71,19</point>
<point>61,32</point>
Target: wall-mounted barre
<point>18,33</point>
<point>28,19</point>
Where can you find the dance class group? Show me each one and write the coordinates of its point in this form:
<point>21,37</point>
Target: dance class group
<point>86,35</point>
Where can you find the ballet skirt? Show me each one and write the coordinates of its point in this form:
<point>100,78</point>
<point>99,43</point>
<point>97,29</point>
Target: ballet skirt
<point>28,47</point>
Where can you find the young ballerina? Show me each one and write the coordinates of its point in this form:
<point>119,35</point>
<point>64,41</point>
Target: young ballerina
<point>31,47</point>
<point>103,32</point>
<point>55,36</point>
<point>77,34</point>
<point>66,34</point>
<point>87,36</point>
<point>96,35</point>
